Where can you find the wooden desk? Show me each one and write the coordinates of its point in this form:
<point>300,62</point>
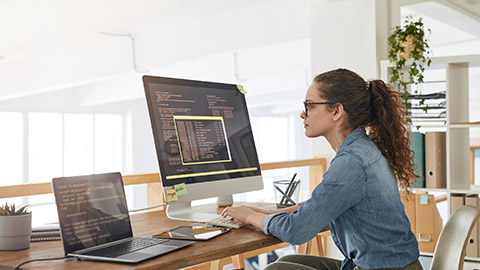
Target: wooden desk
<point>234,242</point>
<point>146,225</point>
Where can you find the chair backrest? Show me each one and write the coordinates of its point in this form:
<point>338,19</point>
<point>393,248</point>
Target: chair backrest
<point>450,250</point>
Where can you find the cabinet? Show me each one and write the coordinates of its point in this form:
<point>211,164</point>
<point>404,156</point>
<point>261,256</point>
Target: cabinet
<point>459,77</point>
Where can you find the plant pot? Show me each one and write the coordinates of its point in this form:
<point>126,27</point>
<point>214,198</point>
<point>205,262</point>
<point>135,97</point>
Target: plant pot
<point>408,46</point>
<point>15,232</point>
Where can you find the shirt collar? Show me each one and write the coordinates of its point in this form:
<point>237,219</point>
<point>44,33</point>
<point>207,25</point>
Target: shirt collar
<point>354,135</point>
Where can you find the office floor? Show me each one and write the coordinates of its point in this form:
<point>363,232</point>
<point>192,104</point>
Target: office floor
<point>252,264</point>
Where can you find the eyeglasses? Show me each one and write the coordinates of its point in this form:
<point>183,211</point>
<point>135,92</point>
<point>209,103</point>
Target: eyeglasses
<point>308,105</point>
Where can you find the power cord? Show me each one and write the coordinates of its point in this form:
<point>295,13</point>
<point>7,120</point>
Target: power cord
<point>148,208</point>
<point>38,260</point>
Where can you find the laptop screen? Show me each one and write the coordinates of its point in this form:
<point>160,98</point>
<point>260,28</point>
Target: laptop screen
<point>92,210</point>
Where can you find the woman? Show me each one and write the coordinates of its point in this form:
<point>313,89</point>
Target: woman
<point>358,196</point>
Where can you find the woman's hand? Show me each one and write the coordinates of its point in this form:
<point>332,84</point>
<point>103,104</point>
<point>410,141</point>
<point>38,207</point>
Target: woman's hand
<point>245,215</point>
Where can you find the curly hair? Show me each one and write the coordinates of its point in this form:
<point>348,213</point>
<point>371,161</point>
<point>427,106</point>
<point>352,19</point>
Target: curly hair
<point>378,108</point>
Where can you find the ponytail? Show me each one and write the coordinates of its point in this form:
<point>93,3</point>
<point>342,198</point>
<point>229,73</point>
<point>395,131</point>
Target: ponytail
<point>387,129</point>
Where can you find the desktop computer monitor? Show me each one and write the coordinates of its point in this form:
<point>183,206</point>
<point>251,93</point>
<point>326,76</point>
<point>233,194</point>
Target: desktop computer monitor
<point>203,139</point>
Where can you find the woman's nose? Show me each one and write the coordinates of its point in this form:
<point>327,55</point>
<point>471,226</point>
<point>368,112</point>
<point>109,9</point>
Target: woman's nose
<point>303,115</point>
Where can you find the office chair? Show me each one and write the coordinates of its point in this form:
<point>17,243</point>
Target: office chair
<point>451,246</point>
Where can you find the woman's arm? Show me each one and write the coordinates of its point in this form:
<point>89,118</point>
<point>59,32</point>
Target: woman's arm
<point>280,210</point>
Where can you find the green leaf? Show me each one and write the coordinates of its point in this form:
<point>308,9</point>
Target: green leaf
<point>9,210</point>
<point>21,211</point>
<point>425,109</point>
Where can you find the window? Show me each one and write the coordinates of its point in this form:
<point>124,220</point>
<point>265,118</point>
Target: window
<point>57,145</point>
<point>108,141</point>
<point>11,154</point>
<point>79,157</point>
<point>11,145</point>
<point>45,146</point>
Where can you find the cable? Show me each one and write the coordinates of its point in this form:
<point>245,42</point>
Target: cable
<point>38,260</point>
<point>132,40</point>
<point>143,209</point>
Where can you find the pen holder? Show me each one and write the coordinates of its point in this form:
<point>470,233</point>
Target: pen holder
<point>286,192</point>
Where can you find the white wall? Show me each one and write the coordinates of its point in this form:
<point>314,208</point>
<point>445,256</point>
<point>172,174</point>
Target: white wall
<point>350,44</point>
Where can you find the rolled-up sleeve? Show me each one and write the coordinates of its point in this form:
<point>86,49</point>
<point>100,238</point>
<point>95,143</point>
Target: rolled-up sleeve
<point>265,221</point>
<point>342,187</point>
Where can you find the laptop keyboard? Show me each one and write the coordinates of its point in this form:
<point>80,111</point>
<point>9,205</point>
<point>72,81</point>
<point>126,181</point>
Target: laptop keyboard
<point>134,244</point>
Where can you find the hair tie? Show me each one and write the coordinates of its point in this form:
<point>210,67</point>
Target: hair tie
<point>367,84</point>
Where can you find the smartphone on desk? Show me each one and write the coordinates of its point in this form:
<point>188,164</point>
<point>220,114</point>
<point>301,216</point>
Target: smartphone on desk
<point>194,232</point>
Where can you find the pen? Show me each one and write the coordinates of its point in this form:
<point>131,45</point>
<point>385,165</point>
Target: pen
<point>292,190</point>
<point>282,201</point>
<point>279,190</point>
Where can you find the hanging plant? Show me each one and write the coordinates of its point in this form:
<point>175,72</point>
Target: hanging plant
<point>408,45</point>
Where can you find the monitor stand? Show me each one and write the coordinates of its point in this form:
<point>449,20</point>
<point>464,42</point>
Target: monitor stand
<point>224,201</point>
<point>184,211</point>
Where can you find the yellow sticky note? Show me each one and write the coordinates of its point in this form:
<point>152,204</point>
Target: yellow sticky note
<point>171,195</point>
<point>240,88</point>
<point>180,189</point>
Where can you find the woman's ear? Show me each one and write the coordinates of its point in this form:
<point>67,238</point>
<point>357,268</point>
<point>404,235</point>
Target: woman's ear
<point>338,112</point>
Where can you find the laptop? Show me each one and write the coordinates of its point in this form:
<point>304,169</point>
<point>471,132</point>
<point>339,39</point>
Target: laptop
<point>95,224</point>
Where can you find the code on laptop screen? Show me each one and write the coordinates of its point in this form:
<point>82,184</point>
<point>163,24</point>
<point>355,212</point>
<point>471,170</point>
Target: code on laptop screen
<point>92,210</point>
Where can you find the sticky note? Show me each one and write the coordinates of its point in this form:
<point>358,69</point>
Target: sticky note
<point>424,199</point>
<point>180,189</point>
<point>171,195</point>
<point>240,88</point>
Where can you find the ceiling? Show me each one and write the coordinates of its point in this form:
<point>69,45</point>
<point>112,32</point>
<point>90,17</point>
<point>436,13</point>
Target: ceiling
<point>57,45</point>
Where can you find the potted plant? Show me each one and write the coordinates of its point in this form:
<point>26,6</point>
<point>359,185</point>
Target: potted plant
<point>15,227</point>
<point>410,54</point>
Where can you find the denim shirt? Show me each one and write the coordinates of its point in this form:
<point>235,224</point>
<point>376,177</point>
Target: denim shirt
<point>359,198</point>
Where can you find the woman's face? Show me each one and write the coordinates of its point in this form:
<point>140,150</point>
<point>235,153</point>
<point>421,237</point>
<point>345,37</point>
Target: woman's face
<point>317,119</point>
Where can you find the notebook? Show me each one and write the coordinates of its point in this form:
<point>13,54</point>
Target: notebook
<point>45,233</point>
<point>95,224</point>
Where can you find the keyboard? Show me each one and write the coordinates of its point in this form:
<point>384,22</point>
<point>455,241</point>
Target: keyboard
<point>134,244</point>
<point>225,222</point>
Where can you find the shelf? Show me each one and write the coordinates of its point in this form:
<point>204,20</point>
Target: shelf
<point>430,189</point>
<point>464,191</point>
<point>474,59</point>
<point>452,75</point>
<point>472,259</point>
<point>424,253</point>
<point>452,125</point>
<point>464,125</point>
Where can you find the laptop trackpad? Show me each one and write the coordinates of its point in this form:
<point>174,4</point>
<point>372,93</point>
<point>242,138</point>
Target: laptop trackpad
<point>146,253</point>
<point>158,249</point>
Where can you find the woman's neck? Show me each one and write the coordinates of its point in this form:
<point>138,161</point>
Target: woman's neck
<point>336,137</point>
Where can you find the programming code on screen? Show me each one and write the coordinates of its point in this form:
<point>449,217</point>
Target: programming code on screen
<point>201,139</point>
<point>91,212</point>
<point>201,133</point>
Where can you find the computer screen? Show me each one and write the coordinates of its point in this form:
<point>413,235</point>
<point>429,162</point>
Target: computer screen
<point>203,137</point>
<point>92,210</point>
